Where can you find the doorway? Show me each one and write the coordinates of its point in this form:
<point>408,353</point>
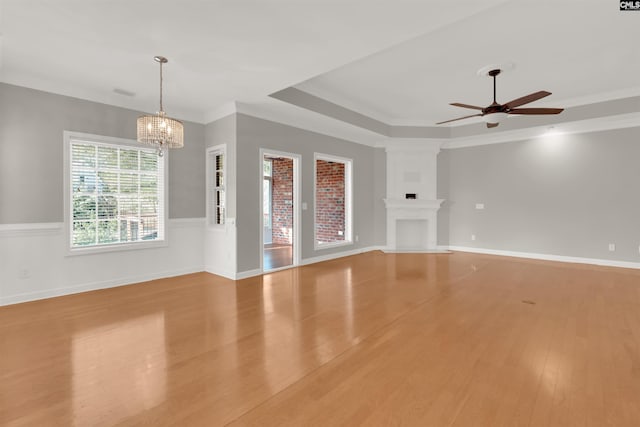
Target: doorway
<point>279,213</point>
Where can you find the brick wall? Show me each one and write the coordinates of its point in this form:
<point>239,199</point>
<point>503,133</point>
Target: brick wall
<point>330,215</point>
<point>282,203</point>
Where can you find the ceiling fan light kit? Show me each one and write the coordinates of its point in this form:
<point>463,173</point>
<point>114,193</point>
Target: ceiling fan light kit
<point>495,113</point>
<point>494,117</point>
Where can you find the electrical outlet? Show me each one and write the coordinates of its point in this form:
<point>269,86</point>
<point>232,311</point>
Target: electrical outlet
<point>473,237</point>
<point>357,238</point>
<point>25,273</point>
<point>612,247</point>
<point>479,206</point>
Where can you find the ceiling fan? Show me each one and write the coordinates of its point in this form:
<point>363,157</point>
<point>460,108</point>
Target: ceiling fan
<point>495,113</point>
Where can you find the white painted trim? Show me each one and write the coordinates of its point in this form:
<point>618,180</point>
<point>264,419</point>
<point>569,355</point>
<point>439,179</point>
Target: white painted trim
<point>348,200</point>
<point>592,98</point>
<point>67,139</point>
<point>278,111</point>
<point>209,187</point>
<point>137,105</point>
<point>306,261</point>
<point>50,293</point>
<point>581,126</point>
<point>335,255</point>
<point>380,116</point>
<point>413,204</point>
<point>223,111</point>
<point>187,222</point>
<point>30,229</point>
<point>416,251</point>
<point>227,274</point>
<point>333,245</point>
<point>45,228</point>
<point>297,205</point>
<point>318,123</point>
<point>256,272</point>
<point>413,144</point>
<point>334,98</point>
<point>548,257</point>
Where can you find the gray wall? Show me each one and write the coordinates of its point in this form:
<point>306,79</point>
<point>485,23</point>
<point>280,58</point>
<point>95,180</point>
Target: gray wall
<point>566,195</point>
<point>443,192</point>
<point>31,159</point>
<point>379,194</point>
<point>253,134</point>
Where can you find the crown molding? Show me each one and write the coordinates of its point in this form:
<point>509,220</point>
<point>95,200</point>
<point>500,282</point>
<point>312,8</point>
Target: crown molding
<point>412,144</point>
<point>391,121</point>
<point>620,121</point>
<point>344,102</point>
<point>288,114</point>
<point>98,97</point>
<point>220,112</point>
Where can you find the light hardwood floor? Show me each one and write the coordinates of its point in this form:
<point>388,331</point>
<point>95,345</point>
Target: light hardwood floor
<point>276,256</point>
<point>373,339</point>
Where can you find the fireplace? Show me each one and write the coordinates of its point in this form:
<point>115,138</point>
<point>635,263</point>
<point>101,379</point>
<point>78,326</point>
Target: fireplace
<point>412,225</point>
<point>412,204</point>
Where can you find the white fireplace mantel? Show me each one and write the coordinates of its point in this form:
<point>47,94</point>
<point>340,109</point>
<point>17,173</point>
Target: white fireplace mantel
<point>412,224</point>
<point>416,219</point>
<point>412,204</point>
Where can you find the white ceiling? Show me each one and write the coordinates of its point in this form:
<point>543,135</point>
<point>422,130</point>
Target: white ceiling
<point>581,51</point>
<point>399,61</point>
<point>221,51</point>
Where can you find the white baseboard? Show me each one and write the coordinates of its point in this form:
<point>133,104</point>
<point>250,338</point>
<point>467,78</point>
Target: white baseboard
<point>232,275</point>
<point>222,273</point>
<point>123,281</point>
<point>416,251</point>
<point>248,273</point>
<point>335,255</point>
<point>548,257</point>
<point>306,261</point>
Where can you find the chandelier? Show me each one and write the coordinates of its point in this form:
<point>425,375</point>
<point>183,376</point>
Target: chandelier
<point>160,130</point>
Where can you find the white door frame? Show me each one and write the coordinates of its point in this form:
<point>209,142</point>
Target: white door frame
<point>297,204</point>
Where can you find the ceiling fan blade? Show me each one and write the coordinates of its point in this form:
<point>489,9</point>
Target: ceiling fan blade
<point>459,118</point>
<point>536,111</point>
<point>492,125</point>
<point>473,107</point>
<point>527,99</point>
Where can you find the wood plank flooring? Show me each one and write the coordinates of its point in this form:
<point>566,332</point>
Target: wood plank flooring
<point>374,339</point>
<point>276,256</point>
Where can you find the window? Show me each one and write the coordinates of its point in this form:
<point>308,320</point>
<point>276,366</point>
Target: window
<point>216,185</point>
<point>333,201</point>
<point>114,193</point>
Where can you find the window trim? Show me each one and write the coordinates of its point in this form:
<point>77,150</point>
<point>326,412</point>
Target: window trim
<point>213,151</point>
<point>348,200</point>
<point>68,138</point>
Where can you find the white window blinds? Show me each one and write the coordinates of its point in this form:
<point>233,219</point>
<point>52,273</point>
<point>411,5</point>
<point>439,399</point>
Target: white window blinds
<point>116,194</point>
<point>216,187</point>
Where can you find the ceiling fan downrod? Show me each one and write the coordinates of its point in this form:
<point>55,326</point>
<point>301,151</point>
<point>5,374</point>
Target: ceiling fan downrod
<point>494,73</point>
